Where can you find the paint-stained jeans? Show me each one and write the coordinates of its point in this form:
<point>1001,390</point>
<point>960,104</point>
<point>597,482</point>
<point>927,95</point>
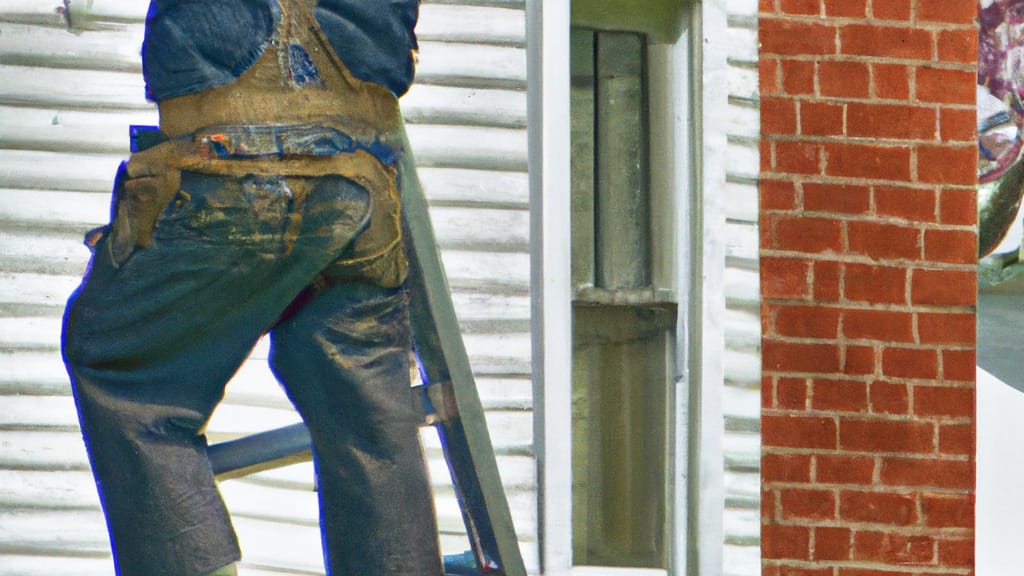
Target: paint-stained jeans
<point>152,336</point>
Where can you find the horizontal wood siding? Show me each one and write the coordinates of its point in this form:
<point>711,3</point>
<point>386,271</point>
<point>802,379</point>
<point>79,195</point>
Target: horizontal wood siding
<point>66,102</point>
<point>742,401</point>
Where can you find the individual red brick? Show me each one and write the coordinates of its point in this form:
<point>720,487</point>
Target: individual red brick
<point>880,241</point>
<point>777,195</point>
<point>798,432</point>
<point>859,360</point>
<point>805,234</point>
<point>891,10</point>
<point>957,439</point>
<point>958,553</point>
<point>806,7</point>
<point>883,435</point>
<point>768,78</point>
<point>786,542</point>
<point>875,284</point>
<point>807,322</point>
<point>778,115</point>
<point>800,357</point>
<point>796,37</point>
<point>891,81</point>
<point>957,124</point>
<point>798,157</point>
<point>914,204</point>
<point>821,119</point>
<point>867,161</point>
<point>768,310</point>
<point>889,397</point>
<point>839,395</point>
<point>910,363</point>
<point>846,8</point>
<point>791,393</point>
<point>893,549</point>
<point>797,77</point>
<point>882,325</point>
<point>799,504</point>
<point>959,45</point>
<point>944,287</point>
<point>786,278</point>
<point>836,198</point>
<point>947,164</point>
<point>878,508</point>
<point>927,472</point>
<point>827,280</point>
<point>886,41</point>
<point>948,510</point>
<point>959,365</point>
<point>832,544</point>
<point>789,468</point>
<point>841,469</point>
<point>957,206</point>
<point>946,11</point>
<point>766,231</point>
<point>767,154</point>
<point>895,121</point>
<point>952,328</point>
<point>944,85</point>
<point>953,246</point>
<point>950,401</point>
<point>767,506</point>
<point>767,391</point>
<point>844,79</point>
<point>767,7</point>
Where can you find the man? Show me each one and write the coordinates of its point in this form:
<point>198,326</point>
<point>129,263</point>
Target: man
<point>267,202</point>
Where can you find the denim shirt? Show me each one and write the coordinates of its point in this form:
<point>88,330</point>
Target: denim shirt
<point>193,45</point>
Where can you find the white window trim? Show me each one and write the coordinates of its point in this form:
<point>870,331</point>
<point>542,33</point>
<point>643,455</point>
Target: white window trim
<point>697,464</point>
<point>547,39</point>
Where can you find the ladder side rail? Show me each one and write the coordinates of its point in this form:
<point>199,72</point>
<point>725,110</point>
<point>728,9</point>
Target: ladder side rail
<point>444,361</point>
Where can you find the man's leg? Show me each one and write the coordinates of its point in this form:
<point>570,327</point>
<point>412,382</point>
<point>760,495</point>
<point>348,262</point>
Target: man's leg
<point>147,370</point>
<point>151,340</point>
<point>344,360</point>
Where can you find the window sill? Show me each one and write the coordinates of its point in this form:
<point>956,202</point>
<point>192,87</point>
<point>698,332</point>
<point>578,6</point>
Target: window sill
<point>625,297</point>
<point>609,571</point>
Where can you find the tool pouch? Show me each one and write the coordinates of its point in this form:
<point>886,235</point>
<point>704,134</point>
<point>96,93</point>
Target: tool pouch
<point>311,157</point>
<point>143,187</point>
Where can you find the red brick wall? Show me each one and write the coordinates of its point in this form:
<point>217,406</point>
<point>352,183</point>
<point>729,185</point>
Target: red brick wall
<point>868,243</point>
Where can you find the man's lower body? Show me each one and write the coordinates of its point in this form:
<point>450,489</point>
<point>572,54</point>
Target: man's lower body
<point>153,334</point>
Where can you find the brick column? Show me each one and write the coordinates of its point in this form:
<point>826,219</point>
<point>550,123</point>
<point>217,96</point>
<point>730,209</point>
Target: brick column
<point>868,244</point>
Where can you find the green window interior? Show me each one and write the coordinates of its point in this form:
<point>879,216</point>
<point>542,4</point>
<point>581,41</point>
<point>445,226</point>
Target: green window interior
<point>623,334</point>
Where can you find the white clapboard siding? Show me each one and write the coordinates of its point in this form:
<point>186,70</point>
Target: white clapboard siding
<point>742,400</point>
<point>66,102</point>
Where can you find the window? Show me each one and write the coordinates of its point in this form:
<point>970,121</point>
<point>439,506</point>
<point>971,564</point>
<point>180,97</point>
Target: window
<point>623,323</point>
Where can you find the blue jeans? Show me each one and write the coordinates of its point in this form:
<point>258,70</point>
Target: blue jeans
<point>154,333</point>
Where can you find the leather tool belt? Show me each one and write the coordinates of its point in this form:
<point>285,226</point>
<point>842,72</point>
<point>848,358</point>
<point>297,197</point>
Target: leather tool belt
<point>296,113</point>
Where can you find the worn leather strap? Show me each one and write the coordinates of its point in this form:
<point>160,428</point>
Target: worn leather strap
<point>266,93</point>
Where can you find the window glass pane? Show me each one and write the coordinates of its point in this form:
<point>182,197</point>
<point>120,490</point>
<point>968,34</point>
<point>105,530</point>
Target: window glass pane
<point>582,125</point>
<point>620,427</point>
<point>622,202</point>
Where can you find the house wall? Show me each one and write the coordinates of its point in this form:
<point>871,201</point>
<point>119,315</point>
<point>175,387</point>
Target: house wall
<point>65,105</point>
<point>868,249</point>
<point>66,100</point>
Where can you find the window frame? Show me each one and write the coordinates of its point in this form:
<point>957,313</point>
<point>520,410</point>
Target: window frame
<point>688,154</point>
